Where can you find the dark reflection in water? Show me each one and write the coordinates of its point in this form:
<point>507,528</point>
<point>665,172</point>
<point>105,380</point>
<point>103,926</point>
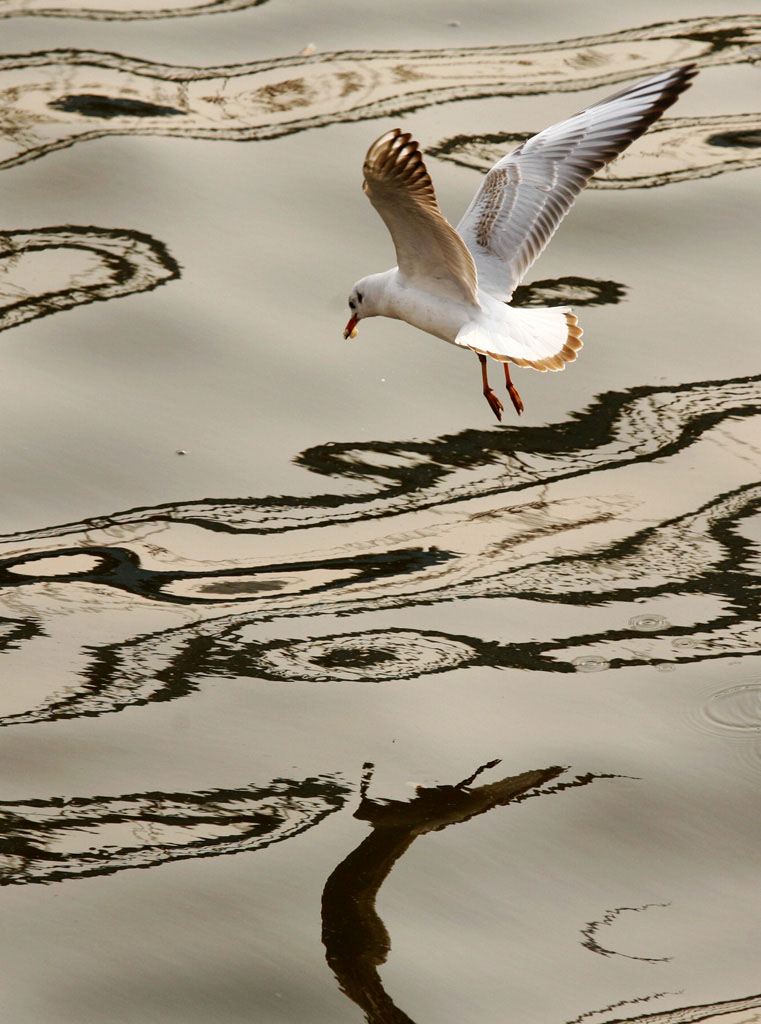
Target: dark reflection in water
<point>89,105</point>
<point>265,99</point>
<point>355,938</point>
<point>674,149</point>
<point>709,1013</point>
<point>491,552</point>
<point>14,631</point>
<point>52,840</point>
<point>120,568</point>
<point>49,270</point>
<point>743,138</point>
<point>620,428</point>
<point>592,944</point>
<point>92,12</point>
<point>698,554</point>
<point>561,291</point>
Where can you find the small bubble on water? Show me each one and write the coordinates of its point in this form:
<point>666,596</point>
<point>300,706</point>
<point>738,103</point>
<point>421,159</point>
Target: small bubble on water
<point>683,643</point>
<point>649,623</point>
<point>590,663</point>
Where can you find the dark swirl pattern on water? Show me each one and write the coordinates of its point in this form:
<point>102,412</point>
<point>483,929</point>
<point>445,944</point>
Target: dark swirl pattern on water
<point>78,265</point>
<point>637,426</point>
<point>497,544</point>
<point>47,99</point>
<point>52,840</point>
<point>372,656</point>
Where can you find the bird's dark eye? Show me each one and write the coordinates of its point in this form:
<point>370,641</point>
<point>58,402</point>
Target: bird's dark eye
<point>351,304</point>
<point>359,296</point>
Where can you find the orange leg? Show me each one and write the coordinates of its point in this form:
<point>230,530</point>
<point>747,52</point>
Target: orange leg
<point>515,398</point>
<point>494,403</point>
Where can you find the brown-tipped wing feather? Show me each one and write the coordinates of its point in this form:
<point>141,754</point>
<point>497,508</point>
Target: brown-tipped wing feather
<point>527,193</point>
<point>429,252</point>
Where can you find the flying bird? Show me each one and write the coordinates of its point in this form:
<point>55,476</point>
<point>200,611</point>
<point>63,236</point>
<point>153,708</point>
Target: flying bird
<point>457,284</point>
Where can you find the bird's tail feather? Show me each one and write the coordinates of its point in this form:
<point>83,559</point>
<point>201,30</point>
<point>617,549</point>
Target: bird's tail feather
<point>545,339</point>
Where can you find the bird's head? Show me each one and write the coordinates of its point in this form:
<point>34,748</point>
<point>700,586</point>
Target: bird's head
<point>363,302</point>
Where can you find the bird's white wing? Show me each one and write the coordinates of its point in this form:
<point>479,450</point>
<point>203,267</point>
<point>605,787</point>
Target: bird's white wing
<point>429,252</point>
<point>527,193</point>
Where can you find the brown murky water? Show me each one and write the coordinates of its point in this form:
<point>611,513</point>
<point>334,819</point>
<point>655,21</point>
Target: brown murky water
<point>478,707</point>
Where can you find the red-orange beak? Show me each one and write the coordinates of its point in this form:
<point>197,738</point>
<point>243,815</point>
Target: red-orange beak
<point>351,327</point>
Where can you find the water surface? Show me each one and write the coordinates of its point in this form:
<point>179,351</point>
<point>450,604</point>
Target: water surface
<point>402,715</point>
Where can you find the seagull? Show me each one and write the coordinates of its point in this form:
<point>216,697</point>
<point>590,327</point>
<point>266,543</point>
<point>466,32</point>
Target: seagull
<point>456,284</point>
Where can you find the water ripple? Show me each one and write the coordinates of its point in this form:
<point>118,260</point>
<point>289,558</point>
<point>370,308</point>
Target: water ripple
<point>52,840</point>
<point>442,520</point>
<point>43,105</point>
<point>649,623</point>
<point>372,656</point>
<point>737,709</point>
<point>50,270</point>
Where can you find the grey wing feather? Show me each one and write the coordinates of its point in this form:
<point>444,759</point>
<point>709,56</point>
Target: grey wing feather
<point>527,193</point>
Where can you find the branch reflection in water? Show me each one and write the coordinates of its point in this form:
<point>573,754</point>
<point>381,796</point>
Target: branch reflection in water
<point>355,938</point>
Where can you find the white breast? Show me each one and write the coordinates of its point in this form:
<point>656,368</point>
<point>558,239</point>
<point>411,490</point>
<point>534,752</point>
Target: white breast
<point>442,317</point>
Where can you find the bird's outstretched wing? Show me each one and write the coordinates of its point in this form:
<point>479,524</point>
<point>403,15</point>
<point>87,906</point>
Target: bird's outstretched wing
<point>527,193</point>
<point>429,252</point>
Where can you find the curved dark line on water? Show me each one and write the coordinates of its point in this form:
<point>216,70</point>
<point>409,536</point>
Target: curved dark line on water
<point>692,1014</point>
<point>132,261</point>
<point>121,569</point>
<point>94,14</point>
<point>592,927</point>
